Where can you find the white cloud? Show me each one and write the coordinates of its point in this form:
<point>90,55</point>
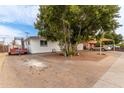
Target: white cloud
<point>9,33</point>
<point>18,14</point>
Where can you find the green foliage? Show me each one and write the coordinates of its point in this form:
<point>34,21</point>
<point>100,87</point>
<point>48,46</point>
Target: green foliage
<point>116,37</point>
<point>71,25</point>
<point>121,45</point>
<point>97,44</point>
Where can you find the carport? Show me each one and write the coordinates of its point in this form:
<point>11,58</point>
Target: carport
<point>100,41</point>
<point>105,40</point>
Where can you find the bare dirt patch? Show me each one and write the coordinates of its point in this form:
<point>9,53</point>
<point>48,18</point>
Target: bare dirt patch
<point>60,72</point>
<point>84,56</point>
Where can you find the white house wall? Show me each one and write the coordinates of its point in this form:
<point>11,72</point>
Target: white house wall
<point>27,46</point>
<point>35,46</point>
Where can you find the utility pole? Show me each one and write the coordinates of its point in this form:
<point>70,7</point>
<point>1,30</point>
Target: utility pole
<point>27,34</point>
<point>3,44</point>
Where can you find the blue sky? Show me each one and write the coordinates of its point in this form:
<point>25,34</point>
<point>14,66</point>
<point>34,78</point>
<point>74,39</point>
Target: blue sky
<point>16,20</point>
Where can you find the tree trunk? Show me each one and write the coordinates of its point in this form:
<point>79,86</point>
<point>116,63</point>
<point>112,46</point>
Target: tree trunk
<point>70,50</point>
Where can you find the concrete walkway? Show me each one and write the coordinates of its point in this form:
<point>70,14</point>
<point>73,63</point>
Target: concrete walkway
<point>114,77</point>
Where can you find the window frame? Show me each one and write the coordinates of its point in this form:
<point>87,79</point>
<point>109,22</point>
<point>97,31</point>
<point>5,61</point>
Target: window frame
<point>45,44</point>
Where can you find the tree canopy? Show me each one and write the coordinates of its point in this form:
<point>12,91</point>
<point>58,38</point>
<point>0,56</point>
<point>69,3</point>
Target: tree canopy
<point>73,24</point>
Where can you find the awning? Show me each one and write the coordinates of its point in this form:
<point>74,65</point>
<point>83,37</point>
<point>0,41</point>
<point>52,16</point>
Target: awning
<point>92,41</point>
<point>105,39</point>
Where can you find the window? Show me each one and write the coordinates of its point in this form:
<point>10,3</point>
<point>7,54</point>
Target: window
<point>43,43</point>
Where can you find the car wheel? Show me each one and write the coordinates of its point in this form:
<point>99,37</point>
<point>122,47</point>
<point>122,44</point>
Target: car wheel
<point>103,49</point>
<point>9,53</point>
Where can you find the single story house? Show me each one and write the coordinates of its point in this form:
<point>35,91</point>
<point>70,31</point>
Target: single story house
<point>36,44</point>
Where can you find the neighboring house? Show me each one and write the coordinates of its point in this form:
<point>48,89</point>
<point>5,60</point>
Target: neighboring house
<point>37,44</point>
<point>1,42</point>
<point>3,47</point>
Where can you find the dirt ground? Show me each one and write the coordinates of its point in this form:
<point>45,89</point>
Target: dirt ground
<point>84,56</point>
<point>2,58</point>
<point>80,71</point>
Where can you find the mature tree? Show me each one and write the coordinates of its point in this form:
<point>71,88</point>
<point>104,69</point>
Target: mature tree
<point>71,25</point>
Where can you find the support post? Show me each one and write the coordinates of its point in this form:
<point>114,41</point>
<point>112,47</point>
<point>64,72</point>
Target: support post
<point>100,47</point>
<point>114,46</point>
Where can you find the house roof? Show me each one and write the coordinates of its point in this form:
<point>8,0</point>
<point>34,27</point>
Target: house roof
<point>92,41</point>
<point>34,37</point>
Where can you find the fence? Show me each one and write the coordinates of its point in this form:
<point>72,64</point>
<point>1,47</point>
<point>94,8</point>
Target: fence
<point>120,49</point>
<point>3,48</point>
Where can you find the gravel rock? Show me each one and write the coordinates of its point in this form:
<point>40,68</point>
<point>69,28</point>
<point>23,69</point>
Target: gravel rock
<point>35,64</point>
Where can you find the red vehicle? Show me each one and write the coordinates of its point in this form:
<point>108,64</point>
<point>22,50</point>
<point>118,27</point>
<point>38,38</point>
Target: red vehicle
<point>13,49</point>
<point>19,51</point>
